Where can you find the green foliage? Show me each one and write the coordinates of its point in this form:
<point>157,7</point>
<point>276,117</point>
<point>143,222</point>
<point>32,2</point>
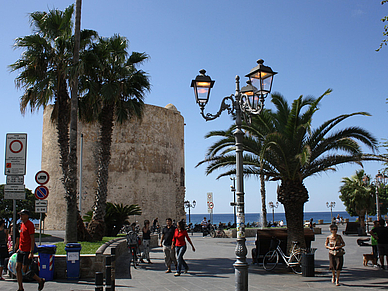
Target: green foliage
<point>87,247</point>
<point>6,205</point>
<point>116,216</point>
<point>357,196</point>
<point>385,32</point>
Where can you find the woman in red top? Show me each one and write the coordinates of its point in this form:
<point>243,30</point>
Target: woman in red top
<point>179,242</point>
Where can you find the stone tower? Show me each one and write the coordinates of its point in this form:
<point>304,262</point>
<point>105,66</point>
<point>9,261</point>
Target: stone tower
<point>147,166</point>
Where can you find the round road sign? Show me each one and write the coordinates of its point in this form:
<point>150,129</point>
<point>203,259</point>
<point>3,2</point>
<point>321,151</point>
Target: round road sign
<point>41,192</point>
<point>42,177</point>
<point>16,146</point>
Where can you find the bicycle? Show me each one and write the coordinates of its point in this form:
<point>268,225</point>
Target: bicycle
<point>133,243</point>
<point>293,261</point>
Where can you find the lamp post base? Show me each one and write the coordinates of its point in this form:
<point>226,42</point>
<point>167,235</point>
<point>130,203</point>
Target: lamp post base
<point>241,275</point>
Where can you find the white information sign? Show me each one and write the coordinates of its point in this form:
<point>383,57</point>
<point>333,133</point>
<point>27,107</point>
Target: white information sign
<point>14,192</point>
<point>73,256</point>
<point>15,180</point>
<point>41,206</point>
<point>15,154</point>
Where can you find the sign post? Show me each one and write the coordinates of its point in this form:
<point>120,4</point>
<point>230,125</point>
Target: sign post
<point>41,193</point>
<point>40,207</point>
<point>210,205</point>
<point>15,169</point>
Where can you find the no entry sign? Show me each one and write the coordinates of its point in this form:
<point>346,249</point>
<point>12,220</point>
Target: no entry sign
<point>41,192</point>
<point>15,154</point>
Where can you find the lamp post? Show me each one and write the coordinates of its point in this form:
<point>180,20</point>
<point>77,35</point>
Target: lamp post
<point>331,205</point>
<point>233,189</point>
<point>380,181</point>
<point>246,101</point>
<point>189,206</point>
<point>365,183</point>
<point>273,206</point>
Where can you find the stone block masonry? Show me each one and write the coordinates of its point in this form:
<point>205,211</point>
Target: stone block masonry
<point>147,166</point>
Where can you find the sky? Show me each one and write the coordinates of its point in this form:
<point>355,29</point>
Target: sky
<point>313,45</point>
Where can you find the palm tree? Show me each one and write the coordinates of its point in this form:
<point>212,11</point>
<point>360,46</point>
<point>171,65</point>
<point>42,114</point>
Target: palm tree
<point>291,151</point>
<point>116,216</point>
<point>358,196</point>
<point>45,71</point>
<point>222,154</point>
<point>115,91</point>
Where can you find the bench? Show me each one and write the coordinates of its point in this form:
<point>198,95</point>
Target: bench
<point>264,237</point>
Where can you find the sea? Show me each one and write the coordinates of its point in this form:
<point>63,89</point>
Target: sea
<point>255,217</point>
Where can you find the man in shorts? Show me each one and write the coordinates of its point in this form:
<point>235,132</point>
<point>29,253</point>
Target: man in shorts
<point>166,242</point>
<point>25,254</point>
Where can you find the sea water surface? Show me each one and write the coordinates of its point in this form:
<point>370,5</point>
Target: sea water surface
<point>255,217</point>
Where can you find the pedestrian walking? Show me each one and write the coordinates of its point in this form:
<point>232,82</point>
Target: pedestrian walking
<point>146,242</point>
<point>179,241</point>
<point>381,234</point>
<point>3,246</point>
<point>334,243</point>
<point>166,243</point>
<point>25,254</point>
<point>373,241</point>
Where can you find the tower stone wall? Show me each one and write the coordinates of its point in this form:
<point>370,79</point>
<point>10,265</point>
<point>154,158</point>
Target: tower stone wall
<point>146,168</point>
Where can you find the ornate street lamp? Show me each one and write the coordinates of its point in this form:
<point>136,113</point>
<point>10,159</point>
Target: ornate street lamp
<point>249,100</point>
<point>273,206</point>
<point>331,205</point>
<point>380,181</point>
<point>189,206</point>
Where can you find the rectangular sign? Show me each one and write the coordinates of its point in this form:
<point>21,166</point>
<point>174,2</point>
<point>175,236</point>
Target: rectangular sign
<point>40,209</point>
<point>14,192</point>
<point>41,203</point>
<point>14,188</point>
<point>15,180</point>
<point>15,154</point>
<point>41,206</point>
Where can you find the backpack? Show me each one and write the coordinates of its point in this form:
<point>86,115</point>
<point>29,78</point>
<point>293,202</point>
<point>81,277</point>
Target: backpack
<point>132,238</point>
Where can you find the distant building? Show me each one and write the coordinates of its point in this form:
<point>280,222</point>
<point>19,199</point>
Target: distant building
<point>147,166</point>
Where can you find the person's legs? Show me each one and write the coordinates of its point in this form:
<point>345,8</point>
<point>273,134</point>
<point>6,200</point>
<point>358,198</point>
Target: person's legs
<point>1,267</point>
<point>381,254</point>
<point>180,252</point>
<point>337,279</point>
<point>167,257</point>
<point>173,258</point>
<point>333,276</point>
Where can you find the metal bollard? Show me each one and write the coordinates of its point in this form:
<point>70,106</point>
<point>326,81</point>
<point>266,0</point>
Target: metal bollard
<point>99,281</point>
<point>113,255</point>
<point>108,273</point>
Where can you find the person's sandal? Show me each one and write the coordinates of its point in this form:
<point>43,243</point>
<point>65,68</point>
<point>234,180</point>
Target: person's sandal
<point>41,284</point>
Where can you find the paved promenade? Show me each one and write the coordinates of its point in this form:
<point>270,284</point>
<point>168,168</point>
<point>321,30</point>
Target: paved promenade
<point>211,268</point>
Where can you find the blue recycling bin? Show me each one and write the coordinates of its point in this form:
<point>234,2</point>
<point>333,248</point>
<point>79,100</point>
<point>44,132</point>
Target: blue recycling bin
<point>73,260</point>
<point>46,261</point>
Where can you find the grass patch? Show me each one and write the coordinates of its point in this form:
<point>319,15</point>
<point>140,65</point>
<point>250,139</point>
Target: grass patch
<point>87,247</point>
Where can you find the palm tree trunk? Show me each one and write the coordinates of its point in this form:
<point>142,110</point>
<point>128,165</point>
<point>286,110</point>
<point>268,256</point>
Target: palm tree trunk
<point>96,226</point>
<point>293,195</point>
<point>71,181</point>
<point>263,203</point>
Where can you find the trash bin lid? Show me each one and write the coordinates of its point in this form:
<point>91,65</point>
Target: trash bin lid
<point>47,249</point>
<point>73,245</point>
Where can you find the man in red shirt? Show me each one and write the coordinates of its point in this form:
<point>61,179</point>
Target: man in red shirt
<point>25,254</point>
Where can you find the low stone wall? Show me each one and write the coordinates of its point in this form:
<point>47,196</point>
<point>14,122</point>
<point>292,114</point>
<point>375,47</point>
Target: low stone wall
<point>251,232</point>
<point>90,264</point>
